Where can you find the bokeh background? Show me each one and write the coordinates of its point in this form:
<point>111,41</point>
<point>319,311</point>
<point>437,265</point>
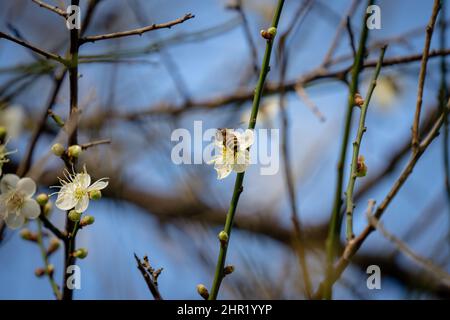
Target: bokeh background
<point>137,90</point>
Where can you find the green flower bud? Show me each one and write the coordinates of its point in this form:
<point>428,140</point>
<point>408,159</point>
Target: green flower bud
<point>272,31</point>
<point>74,151</point>
<point>3,134</point>
<point>50,269</point>
<point>47,208</point>
<point>202,291</point>
<point>74,215</point>
<point>58,150</point>
<point>42,199</point>
<point>223,238</point>
<point>87,220</point>
<point>95,194</point>
<point>80,253</point>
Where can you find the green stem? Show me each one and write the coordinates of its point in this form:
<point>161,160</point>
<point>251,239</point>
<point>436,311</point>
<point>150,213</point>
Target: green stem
<point>44,255</point>
<point>218,276</point>
<point>333,231</point>
<point>356,147</point>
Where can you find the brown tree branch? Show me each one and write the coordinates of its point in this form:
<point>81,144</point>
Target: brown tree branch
<point>138,31</point>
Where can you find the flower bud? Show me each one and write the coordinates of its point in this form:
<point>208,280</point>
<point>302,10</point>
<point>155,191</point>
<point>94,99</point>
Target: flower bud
<point>74,151</point>
<point>80,253</point>
<point>86,221</point>
<point>39,272</point>
<point>42,199</point>
<point>269,34</point>
<point>26,234</point>
<point>74,215</point>
<point>53,246</point>
<point>361,167</point>
<point>228,270</point>
<point>202,291</point>
<point>50,269</point>
<point>3,134</point>
<point>48,208</point>
<point>95,194</point>
<point>359,101</point>
<point>223,237</point>
<point>58,150</point>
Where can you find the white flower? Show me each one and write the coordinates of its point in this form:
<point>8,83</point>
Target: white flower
<point>233,151</point>
<point>3,154</point>
<point>12,118</point>
<point>16,203</point>
<point>74,192</point>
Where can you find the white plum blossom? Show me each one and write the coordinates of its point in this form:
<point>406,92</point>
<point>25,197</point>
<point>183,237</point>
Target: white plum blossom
<point>233,153</point>
<point>16,201</point>
<point>12,118</point>
<point>75,190</point>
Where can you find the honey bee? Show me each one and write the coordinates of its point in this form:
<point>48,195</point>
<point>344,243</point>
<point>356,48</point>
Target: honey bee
<point>228,139</point>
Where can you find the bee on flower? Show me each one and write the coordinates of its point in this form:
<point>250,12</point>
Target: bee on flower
<point>16,202</point>
<point>76,191</point>
<point>233,153</point>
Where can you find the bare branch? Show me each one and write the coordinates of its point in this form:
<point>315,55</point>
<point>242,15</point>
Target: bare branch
<point>139,31</point>
<point>54,9</point>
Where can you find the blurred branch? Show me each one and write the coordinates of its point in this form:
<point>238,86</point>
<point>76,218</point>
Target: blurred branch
<point>242,95</point>
<point>426,264</point>
<point>423,72</point>
<point>335,218</point>
<point>353,246</point>
<point>27,45</point>
<point>138,31</point>
<point>88,145</point>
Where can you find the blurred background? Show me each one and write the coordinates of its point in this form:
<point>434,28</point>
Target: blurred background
<point>137,90</point>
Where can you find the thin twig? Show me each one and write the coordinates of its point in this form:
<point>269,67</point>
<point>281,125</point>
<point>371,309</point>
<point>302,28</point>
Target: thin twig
<point>27,45</point>
<point>138,31</point>
<point>423,73</point>
<point>152,285</point>
<point>44,255</point>
<point>58,233</point>
<point>337,37</point>
<point>88,145</point>
<point>54,9</point>
<point>356,147</point>
<point>337,202</point>
<point>71,227</point>
<point>219,274</point>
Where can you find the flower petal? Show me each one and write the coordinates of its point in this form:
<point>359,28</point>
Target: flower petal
<point>27,186</point>
<point>223,171</point>
<point>98,185</point>
<point>246,139</point>
<point>83,179</point>
<point>8,182</point>
<point>14,221</point>
<point>82,204</point>
<point>30,209</point>
<point>66,198</point>
<point>242,161</point>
